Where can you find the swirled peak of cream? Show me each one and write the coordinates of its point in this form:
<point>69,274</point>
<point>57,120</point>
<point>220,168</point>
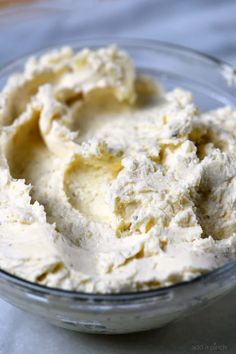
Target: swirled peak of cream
<point>108,184</point>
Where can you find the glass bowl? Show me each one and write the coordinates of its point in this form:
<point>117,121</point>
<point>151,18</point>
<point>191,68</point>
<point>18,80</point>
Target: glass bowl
<point>213,84</point>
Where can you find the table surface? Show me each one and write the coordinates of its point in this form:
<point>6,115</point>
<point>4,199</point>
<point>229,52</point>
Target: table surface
<point>205,25</point>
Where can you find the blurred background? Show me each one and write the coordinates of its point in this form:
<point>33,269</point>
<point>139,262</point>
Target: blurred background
<point>205,25</point>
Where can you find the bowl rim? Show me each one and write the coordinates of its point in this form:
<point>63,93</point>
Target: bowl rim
<point>115,297</point>
<point>109,40</point>
<point>131,295</point>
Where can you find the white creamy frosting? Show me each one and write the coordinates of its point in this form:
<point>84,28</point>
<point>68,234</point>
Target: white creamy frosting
<point>107,183</point>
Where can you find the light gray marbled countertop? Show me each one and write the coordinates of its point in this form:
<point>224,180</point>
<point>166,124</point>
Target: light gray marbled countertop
<point>205,25</point>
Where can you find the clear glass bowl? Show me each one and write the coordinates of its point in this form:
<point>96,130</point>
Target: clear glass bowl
<point>213,85</point>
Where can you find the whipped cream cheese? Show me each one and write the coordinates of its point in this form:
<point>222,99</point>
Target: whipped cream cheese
<point>108,184</point>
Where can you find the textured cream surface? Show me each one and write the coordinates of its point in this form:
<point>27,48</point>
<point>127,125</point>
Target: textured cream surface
<point>107,183</point>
